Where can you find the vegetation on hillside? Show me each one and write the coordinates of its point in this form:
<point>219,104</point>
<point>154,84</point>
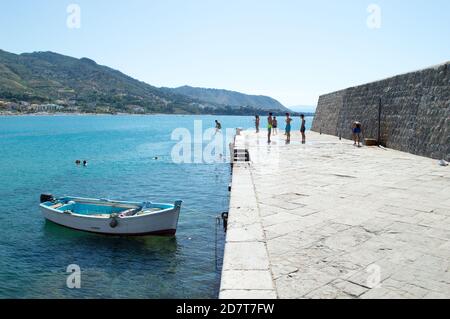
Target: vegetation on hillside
<point>81,85</point>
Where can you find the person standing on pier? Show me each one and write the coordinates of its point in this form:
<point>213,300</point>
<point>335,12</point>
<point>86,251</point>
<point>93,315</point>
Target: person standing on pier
<point>357,131</point>
<point>288,128</point>
<point>269,127</point>
<point>303,128</point>
<point>257,120</point>
<point>275,126</point>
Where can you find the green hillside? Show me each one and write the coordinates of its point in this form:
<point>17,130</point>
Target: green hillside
<point>85,86</point>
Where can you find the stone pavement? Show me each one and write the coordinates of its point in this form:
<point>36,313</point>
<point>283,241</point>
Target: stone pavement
<point>329,220</point>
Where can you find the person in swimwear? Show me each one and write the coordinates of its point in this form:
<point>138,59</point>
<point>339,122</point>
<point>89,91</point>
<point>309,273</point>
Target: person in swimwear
<point>257,120</point>
<point>275,125</point>
<point>357,131</point>
<point>269,127</point>
<point>218,127</point>
<point>288,128</point>
<point>303,128</point>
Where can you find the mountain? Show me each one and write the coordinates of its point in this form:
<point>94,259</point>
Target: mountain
<point>304,109</point>
<point>47,77</point>
<point>231,98</point>
<point>84,86</point>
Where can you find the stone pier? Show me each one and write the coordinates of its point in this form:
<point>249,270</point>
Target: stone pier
<point>330,220</point>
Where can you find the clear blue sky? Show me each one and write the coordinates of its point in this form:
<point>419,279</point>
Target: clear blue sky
<point>291,50</point>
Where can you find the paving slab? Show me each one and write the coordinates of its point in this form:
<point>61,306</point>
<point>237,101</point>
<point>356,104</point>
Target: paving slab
<point>329,220</point>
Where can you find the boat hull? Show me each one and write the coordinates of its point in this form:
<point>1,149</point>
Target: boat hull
<point>162,223</point>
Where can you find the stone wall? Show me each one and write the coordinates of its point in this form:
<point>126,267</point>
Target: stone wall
<point>415,112</point>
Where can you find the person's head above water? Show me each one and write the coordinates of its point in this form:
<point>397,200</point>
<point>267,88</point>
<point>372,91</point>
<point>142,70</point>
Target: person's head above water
<point>270,114</point>
<point>302,116</point>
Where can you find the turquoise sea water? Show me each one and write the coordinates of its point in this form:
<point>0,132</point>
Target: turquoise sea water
<point>38,155</point>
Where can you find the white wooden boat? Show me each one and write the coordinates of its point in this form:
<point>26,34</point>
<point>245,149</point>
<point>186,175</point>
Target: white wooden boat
<point>110,217</point>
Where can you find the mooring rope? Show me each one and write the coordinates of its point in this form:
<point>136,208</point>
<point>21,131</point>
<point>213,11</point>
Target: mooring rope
<point>217,222</point>
<point>216,254</point>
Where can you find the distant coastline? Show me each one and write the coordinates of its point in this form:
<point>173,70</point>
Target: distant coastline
<point>82,86</point>
<point>134,114</point>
